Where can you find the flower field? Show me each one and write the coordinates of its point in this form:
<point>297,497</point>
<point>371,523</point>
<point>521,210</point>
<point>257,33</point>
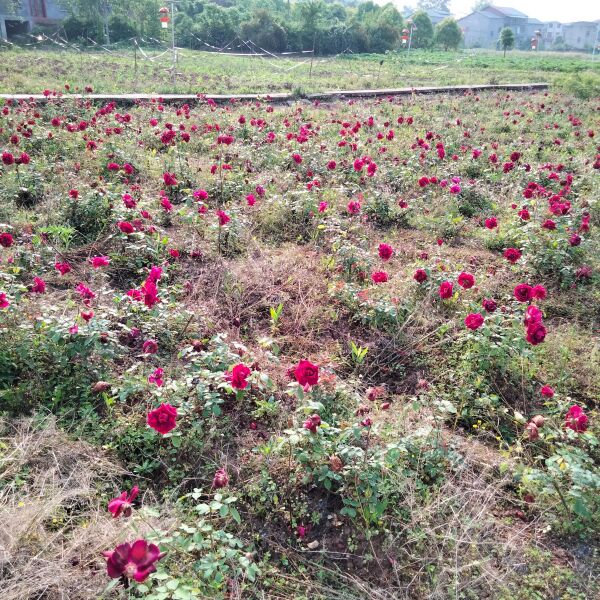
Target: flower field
<point>344,350</point>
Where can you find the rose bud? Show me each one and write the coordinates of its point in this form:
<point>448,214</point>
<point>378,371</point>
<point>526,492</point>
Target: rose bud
<point>100,386</point>
<point>538,421</point>
<point>336,464</point>
<point>532,431</point>
<point>197,345</point>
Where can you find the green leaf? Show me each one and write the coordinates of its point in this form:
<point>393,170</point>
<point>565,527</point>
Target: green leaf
<point>581,509</point>
<point>235,514</point>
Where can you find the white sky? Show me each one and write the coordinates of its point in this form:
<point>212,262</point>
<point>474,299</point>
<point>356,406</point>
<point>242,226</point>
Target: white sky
<point>565,11</point>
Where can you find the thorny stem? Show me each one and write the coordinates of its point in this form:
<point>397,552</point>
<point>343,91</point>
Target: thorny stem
<point>562,498</point>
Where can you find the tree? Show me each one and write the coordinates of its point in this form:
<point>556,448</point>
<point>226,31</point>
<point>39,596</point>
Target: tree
<point>480,5</point>
<point>264,31</point>
<point>441,5</point>
<point>422,36</point>
<point>507,39</point>
<point>448,34</point>
<point>9,7</point>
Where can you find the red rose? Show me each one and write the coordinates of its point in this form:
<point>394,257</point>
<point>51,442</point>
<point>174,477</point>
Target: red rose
<point>576,419</point>
<point>306,373</point>
<point>420,275</point>
<point>532,315</point>
<point>238,376</point>
<point>489,304</point>
<point>523,292</point>
<point>539,292</point>
<point>312,423</point>
<point>6,239</point>
<point>125,227</point>
<point>512,255</point>
<point>385,251</point>
<point>150,347</point>
<point>547,391</point>
<point>474,321</point>
<point>163,418</point>
<point>466,280</point>
<point>379,277</point>
<point>536,333</point>
<point>446,290</point>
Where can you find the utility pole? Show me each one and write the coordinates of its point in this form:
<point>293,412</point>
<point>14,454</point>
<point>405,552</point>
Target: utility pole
<point>105,11</point>
<point>164,12</point>
<point>411,24</point>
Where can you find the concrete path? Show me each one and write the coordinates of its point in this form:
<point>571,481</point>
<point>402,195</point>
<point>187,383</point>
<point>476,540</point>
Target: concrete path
<point>280,97</point>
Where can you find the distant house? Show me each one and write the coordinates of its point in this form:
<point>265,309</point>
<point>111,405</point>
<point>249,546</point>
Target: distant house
<point>435,16</point>
<point>581,35</point>
<point>552,33</point>
<point>30,14</point>
<point>481,29</point>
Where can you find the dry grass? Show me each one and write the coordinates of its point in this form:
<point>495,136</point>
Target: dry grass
<point>53,527</point>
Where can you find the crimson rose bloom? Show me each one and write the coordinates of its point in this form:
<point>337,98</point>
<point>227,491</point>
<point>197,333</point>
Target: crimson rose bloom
<point>576,419</point>
<point>306,373</point>
<point>150,347</point>
<point>523,292</point>
<point>491,223</point>
<point>312,423</point>
<point>169,178</point>
<point>126,227</point>
<point>6,240</point>
<point>122,505</point>
<point>489,304</point>
<point>379,277</point>
<point>353,207</point>
<point>547,391</point>
<point>420,275</point>
<point>39,286</point>
<point>446,290</point>
<point>62,268</point>
<point>238,376</point>
<point>150,293</point>
<point>134,561</point>
<point>163,418</point>
<point>533,315</point>
<point>385,251</point>
<point>466,280</point>
<point>536,333</point>
<point>512,255</point>
<point>474,321</point>
<point>539,292</point>
<point>99,261</point>
<point>224,218</point>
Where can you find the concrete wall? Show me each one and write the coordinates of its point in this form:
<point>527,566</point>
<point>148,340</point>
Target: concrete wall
<point>32,12</point>
<point>479,30</point>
